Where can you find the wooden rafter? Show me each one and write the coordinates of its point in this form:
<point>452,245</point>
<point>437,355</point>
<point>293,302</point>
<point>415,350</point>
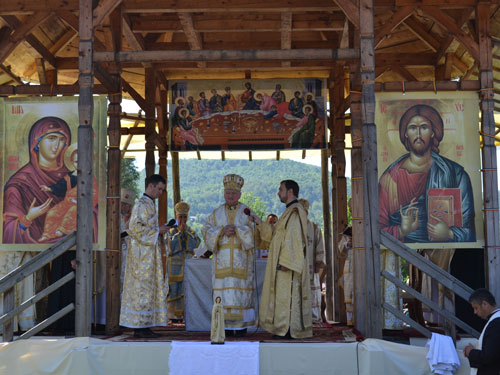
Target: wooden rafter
<point>350,10</point>
<point>103,10</point>
<point>40,68</point>
<point>450,24</point>
<point>136,41</point>
<point>403,72</point>
<point>193,37</point>
<point>7,71</point>
<point>464,16</point>
<point>421,33</point>
<point>397,18</point>
<point>286,33</point>
<point>22,30</point>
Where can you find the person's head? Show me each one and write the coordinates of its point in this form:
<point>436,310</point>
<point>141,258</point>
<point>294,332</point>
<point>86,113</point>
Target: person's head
<point>228,89</point>
<point>483,302</point>
<point>213,91</point>
<point>71,157</point>
<point>48,139</point>
<point>297,94</point>
<point>248,85</point>
<point>271,219</point>
<point>289,190</point>
<point>421,129</point>
<point>179,102</point>
<point>305,204</point>
<point>202,94</point>
<point>127,200</point>
<point>309,97</point>
<point>259,96</point>
<point>155,185</point>
<point>181,213</point>
<point>232,189</point>
<point>190,99</point>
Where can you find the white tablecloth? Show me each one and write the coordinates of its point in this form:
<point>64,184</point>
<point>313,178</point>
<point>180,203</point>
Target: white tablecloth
<point>198,291</point>
<point>203,358</point>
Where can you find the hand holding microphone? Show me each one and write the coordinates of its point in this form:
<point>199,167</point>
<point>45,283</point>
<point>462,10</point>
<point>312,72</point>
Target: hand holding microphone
<point>252,216</point>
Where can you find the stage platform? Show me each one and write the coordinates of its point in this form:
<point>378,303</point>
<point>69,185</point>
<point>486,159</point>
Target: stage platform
<point>122,354</point>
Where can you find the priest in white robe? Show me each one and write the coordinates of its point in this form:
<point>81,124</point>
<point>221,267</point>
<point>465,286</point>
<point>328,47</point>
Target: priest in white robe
<point>145,287</point>
<point>229,234</point>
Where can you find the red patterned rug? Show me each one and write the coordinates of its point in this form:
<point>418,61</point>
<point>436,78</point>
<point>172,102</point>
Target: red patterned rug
<point>322,333</point>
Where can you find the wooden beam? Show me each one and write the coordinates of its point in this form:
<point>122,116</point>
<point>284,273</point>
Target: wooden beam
<point>396,19</point>
<point>40,68</point>
<point>149,112</point>
<point>406,59</point>
<point>489,151</point>
<point>176,184</point>
<point>448,65</point>
<point>464,16</point>
<point>403,72</point>
<point>141,102</point>
<point>136,41</point>
<point>84,217</point>
<point>370,171</point>
<point>193,37</point>
<point>418,29</point>
<point>286,33</point>
<point>46,90</point>
<point>350,10</point>
<point>228,55</point>
<point>103,10</point>
<point>7,71</point>
<point>21,31</point>
<point>450,24</point>
<point>113,238</point>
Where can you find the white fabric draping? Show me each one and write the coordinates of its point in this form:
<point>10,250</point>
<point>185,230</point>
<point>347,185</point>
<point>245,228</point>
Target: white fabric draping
<point>203,358</point>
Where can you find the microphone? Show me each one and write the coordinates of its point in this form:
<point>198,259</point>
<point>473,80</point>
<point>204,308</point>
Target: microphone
<point>172,223</point>
<point>246,211</point>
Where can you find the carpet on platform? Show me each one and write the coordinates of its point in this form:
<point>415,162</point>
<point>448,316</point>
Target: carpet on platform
<point>323,332</point>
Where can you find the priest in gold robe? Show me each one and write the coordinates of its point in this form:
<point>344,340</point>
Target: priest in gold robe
<point>182,240</point>
<point>285,305</point>
<point>145,287</point>
<point>316,259</point>
<point>229,234</point>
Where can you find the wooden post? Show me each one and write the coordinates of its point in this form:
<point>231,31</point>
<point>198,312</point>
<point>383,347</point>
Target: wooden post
<point>370,172</point>
<point>176,187</point>
<point>84,218</point>
<point>358,241</point>
<point>113,247</point>
<point>339,183</point>
<point>489,155</point>
<point>150,90</point>
<point>161,109</point>
<point>327,233</point>
<point>8,304</point>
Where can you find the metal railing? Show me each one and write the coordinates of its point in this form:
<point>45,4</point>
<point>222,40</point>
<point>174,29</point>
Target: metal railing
<point>431,269</point>
<point>9,281</point>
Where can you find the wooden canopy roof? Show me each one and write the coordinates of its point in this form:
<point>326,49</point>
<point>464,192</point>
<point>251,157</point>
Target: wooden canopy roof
<point>414,40</point>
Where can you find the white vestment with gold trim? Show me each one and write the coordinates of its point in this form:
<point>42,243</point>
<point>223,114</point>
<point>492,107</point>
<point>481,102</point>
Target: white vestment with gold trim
<point>232,264</point>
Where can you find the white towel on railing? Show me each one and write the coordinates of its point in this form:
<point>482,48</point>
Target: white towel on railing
<point>442,356</point>
<point>203,358</point>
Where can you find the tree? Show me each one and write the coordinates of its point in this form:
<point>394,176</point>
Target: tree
<point>130,175</point>
<point>255,204</point>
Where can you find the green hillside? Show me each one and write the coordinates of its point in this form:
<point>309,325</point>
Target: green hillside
<point>201,184</point>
